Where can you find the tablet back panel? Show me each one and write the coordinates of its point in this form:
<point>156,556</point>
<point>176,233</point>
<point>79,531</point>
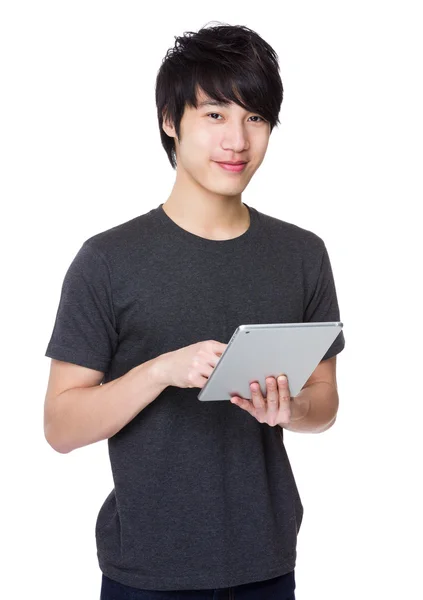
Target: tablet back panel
<point>258,351</point>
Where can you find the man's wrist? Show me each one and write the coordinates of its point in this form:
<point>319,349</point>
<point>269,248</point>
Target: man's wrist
<point>158,369</point>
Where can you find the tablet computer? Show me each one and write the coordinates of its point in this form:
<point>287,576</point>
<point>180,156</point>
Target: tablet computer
<point>255,352</point>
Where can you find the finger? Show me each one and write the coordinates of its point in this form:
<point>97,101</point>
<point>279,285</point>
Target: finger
<point>284,399</point>
<point>257,397</point>
<point>272,400</point>
<point>244,403</point>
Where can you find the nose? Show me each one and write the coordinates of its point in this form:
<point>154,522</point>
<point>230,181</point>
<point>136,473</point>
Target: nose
<point>235,139</point>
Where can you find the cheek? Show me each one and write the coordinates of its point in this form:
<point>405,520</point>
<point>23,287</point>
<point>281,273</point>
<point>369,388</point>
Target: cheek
<point>263,145</point>
<point>198,148</point>
<point>206,142</point>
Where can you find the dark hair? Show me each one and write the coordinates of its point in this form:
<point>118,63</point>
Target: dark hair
<point>231,63</point>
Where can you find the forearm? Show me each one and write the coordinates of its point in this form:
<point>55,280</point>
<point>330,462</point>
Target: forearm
<point>87,415</point>
<point>314,408</point>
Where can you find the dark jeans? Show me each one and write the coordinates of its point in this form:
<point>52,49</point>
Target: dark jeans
<point>278,588</point>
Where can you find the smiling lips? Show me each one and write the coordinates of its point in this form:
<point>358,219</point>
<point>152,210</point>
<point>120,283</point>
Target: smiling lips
<point>237,168</point>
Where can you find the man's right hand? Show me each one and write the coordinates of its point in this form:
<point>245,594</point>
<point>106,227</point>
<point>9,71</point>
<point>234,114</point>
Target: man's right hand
<point>190,366</point>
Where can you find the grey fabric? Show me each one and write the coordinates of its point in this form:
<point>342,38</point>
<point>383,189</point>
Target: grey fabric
<point>204,495</point>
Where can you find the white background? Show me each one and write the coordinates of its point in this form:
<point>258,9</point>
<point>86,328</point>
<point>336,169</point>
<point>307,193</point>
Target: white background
<point>81,152</point>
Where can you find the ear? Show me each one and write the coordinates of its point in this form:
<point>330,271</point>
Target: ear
<point>167,125</point>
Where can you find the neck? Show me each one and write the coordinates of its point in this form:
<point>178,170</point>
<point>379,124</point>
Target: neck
<point>207,214</point>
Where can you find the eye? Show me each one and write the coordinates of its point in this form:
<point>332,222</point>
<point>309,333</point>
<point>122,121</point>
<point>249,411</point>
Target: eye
<point>254,116</point>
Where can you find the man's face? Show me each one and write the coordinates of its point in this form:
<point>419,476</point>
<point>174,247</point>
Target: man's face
<point>213,133</point>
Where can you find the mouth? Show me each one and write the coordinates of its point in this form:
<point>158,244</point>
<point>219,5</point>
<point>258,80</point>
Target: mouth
<point>236,168</point>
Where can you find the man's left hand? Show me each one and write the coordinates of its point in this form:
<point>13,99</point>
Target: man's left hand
<point>275,408</point>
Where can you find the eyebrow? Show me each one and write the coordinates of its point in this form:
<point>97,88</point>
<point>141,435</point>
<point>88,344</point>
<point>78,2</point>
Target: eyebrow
<point>210,103</point>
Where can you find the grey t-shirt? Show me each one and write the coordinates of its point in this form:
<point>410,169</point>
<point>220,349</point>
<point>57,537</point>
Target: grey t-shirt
<point>204,495</point>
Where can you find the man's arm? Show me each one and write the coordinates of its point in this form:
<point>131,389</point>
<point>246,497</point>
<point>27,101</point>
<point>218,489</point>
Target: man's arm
<point>81,415</point>
<point>314,408</point>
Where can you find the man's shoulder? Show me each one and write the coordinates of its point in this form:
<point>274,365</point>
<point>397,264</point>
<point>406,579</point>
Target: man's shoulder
<point>292,233</point>
<point>124,238</point>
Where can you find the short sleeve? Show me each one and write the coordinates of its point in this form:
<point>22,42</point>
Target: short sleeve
<point>322,304</point>
<point>84,331</point>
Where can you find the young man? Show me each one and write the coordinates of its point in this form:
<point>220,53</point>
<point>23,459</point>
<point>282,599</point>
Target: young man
<point>204,498</point>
